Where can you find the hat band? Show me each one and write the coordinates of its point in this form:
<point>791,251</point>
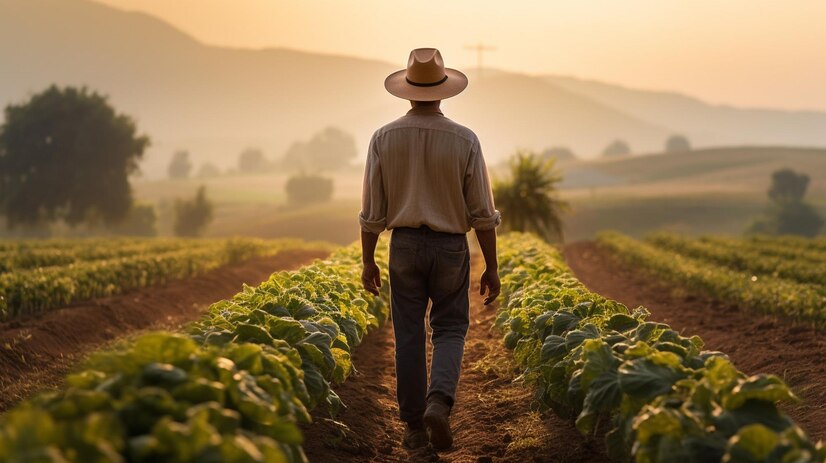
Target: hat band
<point>431,84</point>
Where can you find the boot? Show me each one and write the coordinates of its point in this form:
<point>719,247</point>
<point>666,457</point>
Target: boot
<point>415,436</point>
<point>436,420</point>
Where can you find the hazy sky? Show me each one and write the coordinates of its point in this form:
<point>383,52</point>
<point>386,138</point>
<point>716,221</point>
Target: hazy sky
<point>743,52</point>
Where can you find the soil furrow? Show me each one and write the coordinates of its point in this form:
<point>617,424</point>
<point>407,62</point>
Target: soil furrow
<point>493,419</point>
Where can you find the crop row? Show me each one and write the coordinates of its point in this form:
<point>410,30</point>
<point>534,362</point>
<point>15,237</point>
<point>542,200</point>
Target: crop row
<point>770,247</point>
<point>233,389</point>
<point>743,259</point>
<point>817,244</point>
<point>25,257</point>
<point>799,301</point>
<point>659,396</point>
<point>24,245</point>
<point>40,289</point>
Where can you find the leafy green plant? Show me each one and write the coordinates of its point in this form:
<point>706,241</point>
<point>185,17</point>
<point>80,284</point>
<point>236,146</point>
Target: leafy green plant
<point>659,395</point>
<point>528,199</point>
<point>47,277</point>
<point>743,259</point>
<point>233,390</point>
<point>766,293</point>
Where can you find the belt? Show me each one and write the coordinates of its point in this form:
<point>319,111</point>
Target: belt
<point>425,230</point>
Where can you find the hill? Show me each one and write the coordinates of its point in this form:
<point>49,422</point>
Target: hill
<point>731,169</point>
<point>709,124</point>
<point>217,101</point>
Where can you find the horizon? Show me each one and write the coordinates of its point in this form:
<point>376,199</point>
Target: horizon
<point>778,64</point>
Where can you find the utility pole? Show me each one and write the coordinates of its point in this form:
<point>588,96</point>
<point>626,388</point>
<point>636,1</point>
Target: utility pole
<point>480,49</point>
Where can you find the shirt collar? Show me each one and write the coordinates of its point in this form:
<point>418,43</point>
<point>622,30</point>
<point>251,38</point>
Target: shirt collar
<point>425,110</point>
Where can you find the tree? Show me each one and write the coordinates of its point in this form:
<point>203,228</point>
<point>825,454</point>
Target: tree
<point>328,150</point>
<point>677,144</point>
<point>788,185</point>
<point>788,214</point>
<point>529,200</point>
<point>560,153</point>
<point>192,216</point>
<point>308,189</point>
<point>66,154</point>
<point>615,149</point>
<point>180,166</point>
<point>252,160</point>
<point>208,170</point>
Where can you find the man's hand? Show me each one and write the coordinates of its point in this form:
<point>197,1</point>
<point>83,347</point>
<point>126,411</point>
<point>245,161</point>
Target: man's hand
<point>490,282</point>
<point>371,278</point>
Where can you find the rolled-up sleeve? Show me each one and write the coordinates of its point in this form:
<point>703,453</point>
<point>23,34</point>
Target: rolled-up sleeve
<point>373,215</point>
<point>478,193</point>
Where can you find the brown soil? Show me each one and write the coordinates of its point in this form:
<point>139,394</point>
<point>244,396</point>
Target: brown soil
<point>756,343</point>
<point>493,420</point>
<point>36,352</point>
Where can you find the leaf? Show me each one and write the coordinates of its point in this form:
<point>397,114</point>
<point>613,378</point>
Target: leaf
<point>246,332</point>
<point>655,422</point>
<point>553,349</point>
<point>621,322</point>
<point>577,337</point>
<point>344,365</point>
<point>769,388</point>
<point>564,321</point>
<point>753,443</point>
<point>287,329</point>
<point>645,379</point>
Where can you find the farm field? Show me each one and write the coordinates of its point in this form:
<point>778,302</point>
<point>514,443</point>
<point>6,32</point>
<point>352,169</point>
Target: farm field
<point>705,191</point>
<point>793,289</point>
<point>241,382</point>
<point>37,350</point>
<point>38,276</point>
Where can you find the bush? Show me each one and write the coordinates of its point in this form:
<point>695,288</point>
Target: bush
<point>677,144</point>
<point>192,216</point>
<point>560,153</point>
<point>309,189</point>
<point>788,218</point>
<point>180,166</point>
<point>529,198</point>
<point>615,149</point>
<point>252,160</point>
<point>140,221</point>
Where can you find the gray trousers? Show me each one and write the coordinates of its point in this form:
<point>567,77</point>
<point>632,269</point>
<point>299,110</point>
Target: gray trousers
<point>428,266</point>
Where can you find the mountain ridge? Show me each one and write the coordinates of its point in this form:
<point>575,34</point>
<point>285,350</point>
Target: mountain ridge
<point>215,101</point>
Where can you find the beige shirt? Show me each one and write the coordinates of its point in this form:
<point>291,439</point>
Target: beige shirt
<point>424,169</point>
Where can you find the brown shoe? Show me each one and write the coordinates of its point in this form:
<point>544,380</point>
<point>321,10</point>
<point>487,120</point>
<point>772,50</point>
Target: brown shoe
<point>436,420</point>
<point>415,437</point>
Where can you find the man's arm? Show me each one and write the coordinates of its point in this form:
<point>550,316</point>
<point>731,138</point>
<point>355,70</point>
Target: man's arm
<point>370,275</point>
<point>372,218</point>
<point>490,277</point>
<point>484,218</point>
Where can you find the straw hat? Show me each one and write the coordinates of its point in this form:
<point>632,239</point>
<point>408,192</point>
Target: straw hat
<point>426,78</point>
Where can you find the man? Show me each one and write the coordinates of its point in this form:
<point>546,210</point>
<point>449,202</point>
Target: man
<point>426,180</point>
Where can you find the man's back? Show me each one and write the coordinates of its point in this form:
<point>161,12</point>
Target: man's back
<point>424,169</point>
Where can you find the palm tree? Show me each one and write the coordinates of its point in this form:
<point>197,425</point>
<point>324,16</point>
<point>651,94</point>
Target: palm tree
<point>529,200</point>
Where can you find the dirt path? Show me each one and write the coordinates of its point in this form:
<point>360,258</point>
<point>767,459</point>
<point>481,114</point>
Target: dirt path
<point>492,420</point>
<point>36,352</point>
<point>756,343</point>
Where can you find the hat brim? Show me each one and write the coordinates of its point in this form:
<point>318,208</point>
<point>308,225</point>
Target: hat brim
<point>397,85</point>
